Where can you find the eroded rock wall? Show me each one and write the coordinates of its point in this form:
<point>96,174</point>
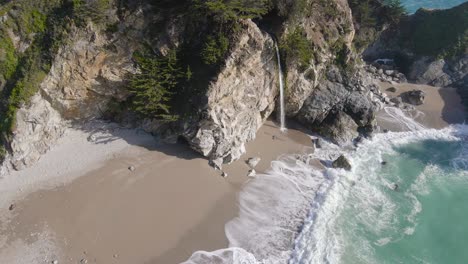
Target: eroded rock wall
<point>241,98</point>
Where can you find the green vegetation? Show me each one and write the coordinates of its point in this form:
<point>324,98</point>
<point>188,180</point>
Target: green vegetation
<point>215,49</point>
<point>153,86</point>
<point>372,16</point>
<point>442,33</point>
<point>340,50</point>
<point>8,58</point>
<point>225,11</point>
<point>296,46</point>
<point>94,10</point>
<point>171,86</point>
<point>43,24</point>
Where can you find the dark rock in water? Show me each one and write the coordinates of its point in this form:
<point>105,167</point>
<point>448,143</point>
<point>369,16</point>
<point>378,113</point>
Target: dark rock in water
<point>394,186</point>
<point>414,97</point>
<point>342,163</point>
<point>391,89</point>
<point>319,143</point>
<point>385,130</point>
<point>358,140</point>
<point>384,163</point>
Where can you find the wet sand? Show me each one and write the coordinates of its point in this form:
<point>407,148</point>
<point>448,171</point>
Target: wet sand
<point>172,205</point>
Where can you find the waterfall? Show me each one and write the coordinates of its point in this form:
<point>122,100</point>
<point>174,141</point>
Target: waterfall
<point>280,73</point>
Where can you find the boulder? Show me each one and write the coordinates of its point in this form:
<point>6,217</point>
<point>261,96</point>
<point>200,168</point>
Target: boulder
<point>414,97</point>
<point>391,89</point>
<point>252,162</point>
<point>342,163</point>
<point>340,128</point>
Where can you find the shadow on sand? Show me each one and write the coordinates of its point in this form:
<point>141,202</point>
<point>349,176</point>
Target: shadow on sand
<point>453,111</point>
<point>102,132</point>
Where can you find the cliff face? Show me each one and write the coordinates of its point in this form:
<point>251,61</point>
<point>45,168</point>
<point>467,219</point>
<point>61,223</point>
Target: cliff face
<point>89,74</point>
<point>240,100</point>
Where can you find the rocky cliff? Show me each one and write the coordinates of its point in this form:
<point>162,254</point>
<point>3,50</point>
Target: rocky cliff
<point>230,81</point>
<point>430,47</point>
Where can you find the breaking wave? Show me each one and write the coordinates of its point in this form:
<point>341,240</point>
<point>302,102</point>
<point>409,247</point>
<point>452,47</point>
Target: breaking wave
<point>292,213</point>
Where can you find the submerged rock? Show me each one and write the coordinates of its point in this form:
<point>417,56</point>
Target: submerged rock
<point>342,163</point>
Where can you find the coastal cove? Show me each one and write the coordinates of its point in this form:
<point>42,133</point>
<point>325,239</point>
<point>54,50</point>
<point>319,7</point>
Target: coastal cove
<point>163,198</point>
<point>233,131</point>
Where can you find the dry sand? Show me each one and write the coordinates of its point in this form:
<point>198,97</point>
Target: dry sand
<point>172,204</point>
<point>442,106</point>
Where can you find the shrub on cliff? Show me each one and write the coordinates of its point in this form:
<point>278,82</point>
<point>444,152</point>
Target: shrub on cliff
<point>296,46</point>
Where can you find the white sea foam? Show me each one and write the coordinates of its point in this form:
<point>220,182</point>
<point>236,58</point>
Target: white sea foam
<point>292,213</point>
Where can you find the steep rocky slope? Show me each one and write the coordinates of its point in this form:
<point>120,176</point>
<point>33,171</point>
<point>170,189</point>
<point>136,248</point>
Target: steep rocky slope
<point>219,104</point>
<point>430,47</point>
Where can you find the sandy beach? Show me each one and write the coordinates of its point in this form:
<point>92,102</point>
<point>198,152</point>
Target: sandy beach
<point>82,204</point>
<point>172,204</point>
<point>442,106</point>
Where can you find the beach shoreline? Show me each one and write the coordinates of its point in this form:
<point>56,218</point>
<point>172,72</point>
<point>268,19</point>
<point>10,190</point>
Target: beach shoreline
<point>83,202</point>
<point>171,205</point>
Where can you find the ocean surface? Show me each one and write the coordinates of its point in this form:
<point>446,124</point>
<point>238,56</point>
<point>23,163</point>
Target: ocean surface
<point>405,201</point>
<point>413,5</point>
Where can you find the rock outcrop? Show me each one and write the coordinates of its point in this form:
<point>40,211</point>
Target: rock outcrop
<point>327,33</point>
<point>90,69</point>
<point>240,100</point>
<point>339,107</point>
<point>86,75</point>
<point>342,163</point>
<point>440,72</point>
<point>38,126</point>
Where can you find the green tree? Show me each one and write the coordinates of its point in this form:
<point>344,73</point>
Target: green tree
<point>153,87</point>
<point>231,10</point>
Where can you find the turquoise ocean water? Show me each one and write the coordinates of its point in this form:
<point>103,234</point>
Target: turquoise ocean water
<point>363,219</point>
<point>413,5</point>
<point>423,221</point>
<point>404,201</point>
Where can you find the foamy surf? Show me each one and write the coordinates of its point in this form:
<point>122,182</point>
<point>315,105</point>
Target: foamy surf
<point>294,212</point>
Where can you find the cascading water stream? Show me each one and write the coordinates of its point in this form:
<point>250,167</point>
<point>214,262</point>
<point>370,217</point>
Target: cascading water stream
<point>280,73</point>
